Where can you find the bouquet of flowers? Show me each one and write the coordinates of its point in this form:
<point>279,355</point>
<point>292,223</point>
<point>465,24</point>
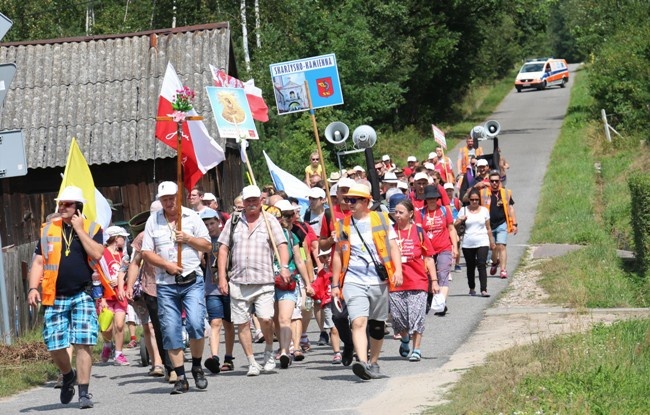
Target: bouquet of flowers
<point>182,103</point>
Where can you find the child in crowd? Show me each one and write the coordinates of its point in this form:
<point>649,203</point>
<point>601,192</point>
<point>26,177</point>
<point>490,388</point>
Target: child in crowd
<point>322,286</point>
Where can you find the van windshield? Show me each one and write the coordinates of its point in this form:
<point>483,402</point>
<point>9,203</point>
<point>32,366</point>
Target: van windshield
<point>532,67</point>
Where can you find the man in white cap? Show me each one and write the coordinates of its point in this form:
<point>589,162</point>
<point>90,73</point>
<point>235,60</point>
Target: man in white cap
<point>179,287</point>
<point>314,214</point>
<point>411,162</point>
<point>246,258</point>
<point>210,200</point>
<point>388,164</point>
<point>361,172</point>
<point>471,179</point>
<point>65,258</point>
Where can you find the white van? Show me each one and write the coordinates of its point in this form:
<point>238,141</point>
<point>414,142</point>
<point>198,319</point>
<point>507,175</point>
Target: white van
<point>542,72</point>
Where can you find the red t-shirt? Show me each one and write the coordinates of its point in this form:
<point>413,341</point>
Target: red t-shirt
<point>113,264</point>
<point>435,224</point>
<point>325,231</point>
<point>322,286</point>
<point>414,246</point>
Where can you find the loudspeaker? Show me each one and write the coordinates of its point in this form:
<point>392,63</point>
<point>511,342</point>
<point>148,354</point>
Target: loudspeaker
<point>478,133</point>
<point>492,128</point>
<point>337,132</point>
<point>364,136</point>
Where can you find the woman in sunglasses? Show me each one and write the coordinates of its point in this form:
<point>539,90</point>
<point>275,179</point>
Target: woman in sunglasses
<point>477,241</point>
<point>313,169</point>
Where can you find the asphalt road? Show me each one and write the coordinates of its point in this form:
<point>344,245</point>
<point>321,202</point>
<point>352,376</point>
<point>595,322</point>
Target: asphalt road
<point>530,123</point>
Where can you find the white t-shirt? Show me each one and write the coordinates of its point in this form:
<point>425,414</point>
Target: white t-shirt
<point>475,230</point>
<point>361,269</point>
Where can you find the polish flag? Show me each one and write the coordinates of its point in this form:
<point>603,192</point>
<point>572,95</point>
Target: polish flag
<point>200,152</point>
<point>259,109</point>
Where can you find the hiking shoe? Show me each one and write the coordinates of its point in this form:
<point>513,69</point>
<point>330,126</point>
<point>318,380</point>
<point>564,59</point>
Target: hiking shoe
<point>199,377</point>
<point>180,386</point>
<point>254,369</point>
<point>347,356</point>
<point>85,401</point>
<point>285,361</point>
<point>374,371</point>
<point>67,388</point>
<point>132,344</point>
<point>337,359</point>
<point>212,364</point>
<point>362,370</point>
<point>106,353</point>
<point>227,366</point>
<point>121,361</point>
<point>324,339</point>
<point>269,361</point>
<point>504,274</point>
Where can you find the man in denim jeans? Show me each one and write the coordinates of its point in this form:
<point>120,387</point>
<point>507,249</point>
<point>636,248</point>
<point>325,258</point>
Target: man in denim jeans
<point>179,287</point>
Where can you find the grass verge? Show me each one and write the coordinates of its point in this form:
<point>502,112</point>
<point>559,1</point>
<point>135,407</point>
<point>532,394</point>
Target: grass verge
<point>605,371</point>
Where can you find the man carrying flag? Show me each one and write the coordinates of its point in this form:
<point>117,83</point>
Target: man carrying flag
<point>200,152</point>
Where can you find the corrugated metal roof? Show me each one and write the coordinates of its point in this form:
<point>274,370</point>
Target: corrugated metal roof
<point>104,91</point>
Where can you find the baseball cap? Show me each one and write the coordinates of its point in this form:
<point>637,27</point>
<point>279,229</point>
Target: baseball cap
<point>449,186</point>
<point>432,155</point>
<point>421,175</point>
<point>481,162</point>
<point>284,206</point>
<point>385,157</point>
<point>166,189</point>
<point>208,213</point>
<point>429,166</point>
<point>402,185</point>
<point>316,193</point>
<point>411,159</point>
<point>116,231</point>
<point>209,196</point>
<point>358,168</point>
<point>251,191</point>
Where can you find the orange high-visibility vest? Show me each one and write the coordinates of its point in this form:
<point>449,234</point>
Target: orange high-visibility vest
<point>506,194</point>
<point>51,248</point>
<point>464,151</point>
<point>379,224</point>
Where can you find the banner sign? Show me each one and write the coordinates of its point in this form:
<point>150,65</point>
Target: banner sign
<point>232,113</point>
<point>321,75</point>
<point>439,136</point>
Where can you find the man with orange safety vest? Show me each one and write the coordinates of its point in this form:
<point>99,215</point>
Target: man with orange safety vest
<point>466,152</point>
<point>503,221</point>
<point>65,258</point>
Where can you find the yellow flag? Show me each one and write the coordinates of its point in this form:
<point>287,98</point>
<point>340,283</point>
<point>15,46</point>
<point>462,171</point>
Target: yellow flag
<point>77,173</point>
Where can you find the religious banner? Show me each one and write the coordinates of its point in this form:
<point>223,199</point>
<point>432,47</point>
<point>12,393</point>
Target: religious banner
<point>232,113</point>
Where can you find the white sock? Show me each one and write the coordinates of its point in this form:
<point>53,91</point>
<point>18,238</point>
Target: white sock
<point>118,353</point>
<point>251,359</point>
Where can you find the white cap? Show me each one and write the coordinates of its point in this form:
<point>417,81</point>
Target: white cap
<point>358,168</point>
<point>284,205</point>
<point>345,182</point>
<point>389,177</point>
<point>421,175</point>
<point>155,206</point>
<point>449,186</point>
<point>166,189</point>
<point>209,196</point>
<point>429,166</point>
<point>411,159</point>
<point>385,157</point>
<point>116,231</point>
<point>208,213</point>
<point>71,194</point>
<point>481,162</point>
<point>333,189</point>
<point>433,155</point>
<point>402,185</point>
<point>316,193</point>
<point>323,253</point>
<point>251,191</point>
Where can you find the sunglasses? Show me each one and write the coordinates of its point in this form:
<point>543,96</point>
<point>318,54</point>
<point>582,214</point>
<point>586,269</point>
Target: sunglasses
<point>495,181</point>
<point>474,200</point>
<point>66,204</point>
<point>315,159</point>
<point>288,215</point>
<point>351,200</point>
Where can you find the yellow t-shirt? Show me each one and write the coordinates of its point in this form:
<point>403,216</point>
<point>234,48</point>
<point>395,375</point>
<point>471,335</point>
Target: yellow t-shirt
<point>311,171</point>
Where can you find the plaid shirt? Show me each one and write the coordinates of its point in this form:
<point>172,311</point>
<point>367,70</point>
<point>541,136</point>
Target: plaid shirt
<point>252,253</point>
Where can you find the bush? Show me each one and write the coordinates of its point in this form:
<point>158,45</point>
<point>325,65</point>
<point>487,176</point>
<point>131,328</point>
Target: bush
<point>640,194</point>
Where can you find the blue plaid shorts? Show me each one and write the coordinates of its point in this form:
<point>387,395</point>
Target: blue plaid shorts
<point>71,320</point>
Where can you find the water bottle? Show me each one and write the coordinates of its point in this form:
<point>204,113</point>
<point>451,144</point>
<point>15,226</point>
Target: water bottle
<point>98,290</point>
<point>309,303</point>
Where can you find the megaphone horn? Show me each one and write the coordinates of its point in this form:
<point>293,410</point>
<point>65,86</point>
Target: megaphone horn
<point>337,132</point>
<point>364,136</point>
<point>492,128</point>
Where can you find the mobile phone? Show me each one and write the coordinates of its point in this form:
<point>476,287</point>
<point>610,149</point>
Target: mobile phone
<point>79,206</point>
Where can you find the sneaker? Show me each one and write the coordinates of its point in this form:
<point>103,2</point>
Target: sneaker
<point>285,361</point>
<point>157,371</point>
<point>269,361</point>
<point>254,369</point>
<point>227,366</point>
<point>199,377</point>
<point>337,359</point>
<point>457,268</point>
<point>180,386</point>
<point>67,388</point>
<point>132,344</point>
<point>324,339</point>
<point>472,293</point>
<point>59,381</point>
<point>493,268</point>
<point>121,361</point>
<point>374,371</point>
<point>212,364</point>
<point>362,370</point>
<point>85,401</point>
<point>347,356</point>
<point>258,337</point>
<point>504,274</point>
<point>106,353</point>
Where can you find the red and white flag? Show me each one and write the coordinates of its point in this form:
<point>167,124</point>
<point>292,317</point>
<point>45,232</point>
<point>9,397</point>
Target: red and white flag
<point>259,109</point>
<point>439,136</point>
<point>200,152</point>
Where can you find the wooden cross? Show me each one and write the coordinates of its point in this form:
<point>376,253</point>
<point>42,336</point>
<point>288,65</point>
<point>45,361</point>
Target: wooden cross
<point>179,172</point>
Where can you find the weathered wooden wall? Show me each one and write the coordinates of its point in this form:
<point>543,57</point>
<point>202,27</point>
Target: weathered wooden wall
<point>22,318</point>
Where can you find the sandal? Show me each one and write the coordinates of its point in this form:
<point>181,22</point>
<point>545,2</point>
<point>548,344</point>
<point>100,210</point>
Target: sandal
<point>298,356</point>
<point>228,366</point>
<point>415,356</point>
<point>404,348</point>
